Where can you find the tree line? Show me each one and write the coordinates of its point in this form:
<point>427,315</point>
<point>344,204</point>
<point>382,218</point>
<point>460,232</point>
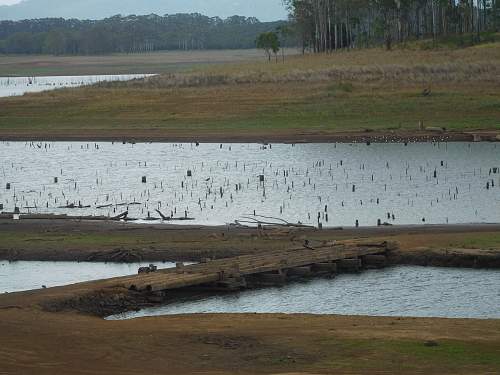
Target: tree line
<point>327,25</point>
<point>131,34</point>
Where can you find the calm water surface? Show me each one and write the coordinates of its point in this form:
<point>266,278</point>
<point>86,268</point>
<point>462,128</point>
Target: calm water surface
<point>335,184</point>
<point>21,276</point>
<point>14,86</point>
<point>399,291</point>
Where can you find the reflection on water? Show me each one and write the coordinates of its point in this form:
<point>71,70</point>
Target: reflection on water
<point>20,276</point>
<point>399,291</point>
<point>335,184</point>
<point>14,86</point>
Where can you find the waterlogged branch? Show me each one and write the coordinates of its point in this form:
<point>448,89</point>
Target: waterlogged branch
<point>284,223</point>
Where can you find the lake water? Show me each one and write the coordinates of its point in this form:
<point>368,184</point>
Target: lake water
<point>14,86</point>
<point>399,291</point>
<point>339,183</point>
<point>21,276</point>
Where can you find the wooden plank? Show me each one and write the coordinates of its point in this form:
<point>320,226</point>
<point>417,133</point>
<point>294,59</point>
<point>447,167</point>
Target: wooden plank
<point>245,265</point>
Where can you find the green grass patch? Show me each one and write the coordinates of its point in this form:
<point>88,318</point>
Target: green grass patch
<point>335,107</point>
<point>410,356</point>
<point>21,241</point>
<point>489,241</point>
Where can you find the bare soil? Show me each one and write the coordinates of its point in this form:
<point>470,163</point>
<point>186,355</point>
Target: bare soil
<point>35,342</point>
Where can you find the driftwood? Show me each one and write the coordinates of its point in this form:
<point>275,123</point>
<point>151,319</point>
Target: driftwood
<point>117,255</point>
<point>163,217</point>
<point>128,204</point>
<point>122,216</point>
<point>279,223</point>
<point>168,218</point>
<point>105,206</point>
<point>73,206</point>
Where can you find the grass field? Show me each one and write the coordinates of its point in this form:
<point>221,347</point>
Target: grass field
<point>366,90</point>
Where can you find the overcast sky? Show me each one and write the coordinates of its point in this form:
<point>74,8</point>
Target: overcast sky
<point>265,10</point>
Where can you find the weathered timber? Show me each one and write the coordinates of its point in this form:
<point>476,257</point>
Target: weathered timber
<point>350,265</point>
<point>168,218</point>
<point>122,216</point>
<point>268,278</point>
<point>112,296</point>
<point>217,270</point>
<point>325,268</point>
<point>374,261</point>
<point>303,271</point>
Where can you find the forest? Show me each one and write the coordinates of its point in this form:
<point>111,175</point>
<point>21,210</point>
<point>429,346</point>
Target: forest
<point>327,25</point>
<point>315,25</point>
<point>131,34</point>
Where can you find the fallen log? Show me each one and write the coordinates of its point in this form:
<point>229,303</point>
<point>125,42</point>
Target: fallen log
<point>122,216</point>
<point>105,206</point>
<point>73,206</point>
<point>168,218</point>
<point>286,224</point>
<point>163,217</point>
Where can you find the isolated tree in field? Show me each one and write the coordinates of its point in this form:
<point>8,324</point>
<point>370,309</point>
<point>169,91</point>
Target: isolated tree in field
<point>270,43</point>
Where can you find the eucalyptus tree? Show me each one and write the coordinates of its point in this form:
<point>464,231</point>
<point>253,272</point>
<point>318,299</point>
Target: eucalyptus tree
<point>327,25</point>
<point>269,42</point>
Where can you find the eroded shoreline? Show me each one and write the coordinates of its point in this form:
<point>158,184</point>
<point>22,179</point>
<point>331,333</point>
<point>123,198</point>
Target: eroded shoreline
<point>467,246</point>
<point>258,136</point>
<point>457,245</point>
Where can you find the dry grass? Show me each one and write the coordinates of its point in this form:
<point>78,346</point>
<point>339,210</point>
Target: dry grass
<point>475,64</point>
<point>323,94</point>
<point>421,74</point>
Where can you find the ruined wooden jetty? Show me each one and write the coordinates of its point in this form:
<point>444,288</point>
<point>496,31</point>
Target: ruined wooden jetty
<point>117,295</point>
<point>262,269</point>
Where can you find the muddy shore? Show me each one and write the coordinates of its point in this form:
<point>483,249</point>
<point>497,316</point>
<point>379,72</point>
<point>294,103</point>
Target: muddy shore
<point>103,241</point>
<point>262,136</point>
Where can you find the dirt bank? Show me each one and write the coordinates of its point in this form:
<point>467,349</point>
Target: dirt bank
<point>73,240</point>
<point>254,136</point>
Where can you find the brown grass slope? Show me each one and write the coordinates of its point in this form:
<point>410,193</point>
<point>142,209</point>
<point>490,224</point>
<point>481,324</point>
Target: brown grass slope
<point>306,97</point>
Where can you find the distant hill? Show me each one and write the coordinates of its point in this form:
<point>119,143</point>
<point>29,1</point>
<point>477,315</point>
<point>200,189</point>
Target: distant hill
<point>267,10</point>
